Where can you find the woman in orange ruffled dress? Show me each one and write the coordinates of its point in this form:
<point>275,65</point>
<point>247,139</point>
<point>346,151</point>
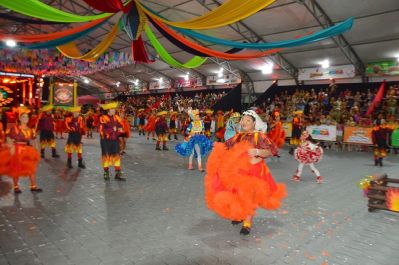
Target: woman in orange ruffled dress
<point>238,181</point>
<point>22,148</point>
<point>126,132</point>
<point>150,126</point>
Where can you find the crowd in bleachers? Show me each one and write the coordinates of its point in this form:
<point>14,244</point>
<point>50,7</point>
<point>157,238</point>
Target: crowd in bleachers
<point>180,103</point>
<point>333,106</point>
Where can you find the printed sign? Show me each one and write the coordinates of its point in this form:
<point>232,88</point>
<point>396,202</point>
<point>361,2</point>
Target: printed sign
<point>323,132</point>
<point>224,80</point>
<point>335,72</point>
<point>385,68</point>
<point>165,84</point>
<point>358,135</point>
<point>63,94</point>
<point>287,127</point>
<point>191,82</point>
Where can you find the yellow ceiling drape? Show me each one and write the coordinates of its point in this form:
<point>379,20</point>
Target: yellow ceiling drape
<point>228,13</point>
<point>71,50</point>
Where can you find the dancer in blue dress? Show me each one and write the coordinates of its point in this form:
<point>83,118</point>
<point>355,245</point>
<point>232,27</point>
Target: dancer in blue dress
<point>196,144</point>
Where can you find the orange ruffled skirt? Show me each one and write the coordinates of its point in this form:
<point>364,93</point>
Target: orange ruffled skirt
<point>23,163</point>
<point>150,126</point>
<point>234,188</point>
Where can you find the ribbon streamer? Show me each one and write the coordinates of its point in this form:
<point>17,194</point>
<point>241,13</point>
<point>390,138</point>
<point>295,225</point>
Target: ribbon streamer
<point>318,36</point>
<point>185,47</point>
<point>229,12</point>
<point>71,50</point>
<point>37,9</point>
<point>27,20</point>
<point>133,22</point>
<point>111,6</point>
<point>52,36</point>
<point>210,52</point>
<point>194,62</point>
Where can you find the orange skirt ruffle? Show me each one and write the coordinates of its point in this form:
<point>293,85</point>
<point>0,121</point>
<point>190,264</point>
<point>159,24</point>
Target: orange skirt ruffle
<point>5,156</point>
<point>234,188</point>
<point>277,135</point>
<point>23,162</point>
<point>150,126</point>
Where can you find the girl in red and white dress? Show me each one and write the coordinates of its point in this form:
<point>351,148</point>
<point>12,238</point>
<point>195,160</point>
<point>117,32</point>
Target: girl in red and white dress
<point>308,153</point>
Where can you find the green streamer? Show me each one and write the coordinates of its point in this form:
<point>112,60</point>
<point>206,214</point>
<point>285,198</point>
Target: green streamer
<point>37,9</point>
<point>192,63</point>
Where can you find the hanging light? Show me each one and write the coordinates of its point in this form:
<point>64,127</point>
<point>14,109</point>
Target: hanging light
<point>325,64</point>
<point>117,84</point>
<point>86,81</point>
<point>11,43</point>
<point>267,69</point>
<point>220,73</point>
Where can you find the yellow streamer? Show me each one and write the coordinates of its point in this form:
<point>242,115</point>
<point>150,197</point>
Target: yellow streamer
<point>71,50</point>
<point>142,24</point>
<point>228,13</point>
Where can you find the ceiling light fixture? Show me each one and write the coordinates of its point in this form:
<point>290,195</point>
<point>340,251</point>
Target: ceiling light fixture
<point>11,43</point>
<point>325,64</point>
<point>267,69</point>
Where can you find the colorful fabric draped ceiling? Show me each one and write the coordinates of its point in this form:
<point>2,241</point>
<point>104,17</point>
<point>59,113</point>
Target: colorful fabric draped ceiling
<point>70,49</point>
<point>52,36</point>
<point>318,36</point>
<point>192,63</point>
<point>37,9</point>
<point>211,52</point>
<point>111,6</point>
<point>229,12</point>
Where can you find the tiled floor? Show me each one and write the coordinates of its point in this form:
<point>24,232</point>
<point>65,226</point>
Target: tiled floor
<point>158,216</point>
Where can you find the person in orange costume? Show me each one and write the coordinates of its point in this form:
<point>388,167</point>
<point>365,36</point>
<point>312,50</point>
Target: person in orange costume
<point>276,131</point>
<point>75,126</point>
<point>46,127</point>
<point>173,125</point>
<point>208,122</point>
<point>141,115</point>
<point>23,155</point>
<point>161,129</point>
<point>125,134</point>
<point>59,124</point>
<point>150,126</point>
<point>297,128</point>
<point>110,129</point>
<point>238,181</point>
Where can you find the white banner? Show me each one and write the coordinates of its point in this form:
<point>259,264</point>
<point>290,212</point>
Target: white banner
<point>224,80</point>
<point>335,72</point>
<point>165,84</point>
<point>137,88</point>
<point>191,82</point>
<point>323,132</point>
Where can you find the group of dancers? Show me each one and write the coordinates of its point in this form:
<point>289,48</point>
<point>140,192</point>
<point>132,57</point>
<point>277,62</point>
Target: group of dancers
<point>237,180</point>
